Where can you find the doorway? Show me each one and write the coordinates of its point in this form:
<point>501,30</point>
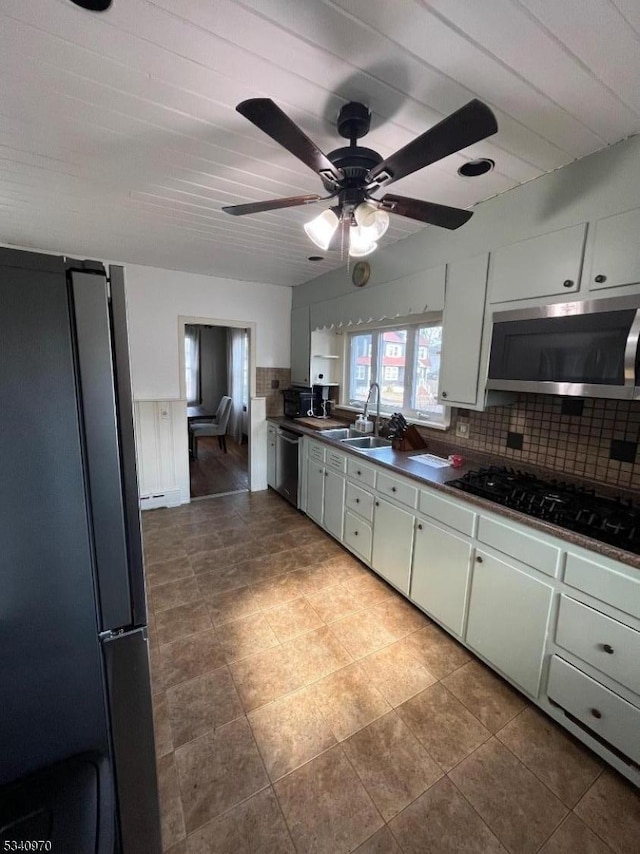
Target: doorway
<point>216,377</point>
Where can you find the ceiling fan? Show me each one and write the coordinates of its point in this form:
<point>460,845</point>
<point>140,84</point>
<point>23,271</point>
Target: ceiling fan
<point>353,174</point>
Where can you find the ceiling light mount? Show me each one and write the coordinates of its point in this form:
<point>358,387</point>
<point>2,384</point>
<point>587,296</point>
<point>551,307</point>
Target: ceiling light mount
<point>354,121</point>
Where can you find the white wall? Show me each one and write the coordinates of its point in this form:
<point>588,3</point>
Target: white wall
<point>155,300</point>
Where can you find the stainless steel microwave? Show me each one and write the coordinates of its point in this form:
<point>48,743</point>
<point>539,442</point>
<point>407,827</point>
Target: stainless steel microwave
<point>588,349</point>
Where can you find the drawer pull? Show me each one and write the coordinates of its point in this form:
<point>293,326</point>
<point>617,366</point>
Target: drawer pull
<point>479,559</point>
<point>358,472</point>
<point>600,278</point>
<point>568,283</point>
<point>419,526</point>
<point>326,474</point>
<point>393,489</point>
<point>357,501</point>
<point>596,713</point>
<point>608,648</point>
<point>377,504</point>
<point>355,533</point>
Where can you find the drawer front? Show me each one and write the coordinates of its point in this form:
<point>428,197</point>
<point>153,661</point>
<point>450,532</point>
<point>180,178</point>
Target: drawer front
<point>604,643</point>
<point>401,491</point>
<point>316,452</point>
<point>336,461</point>
<point>360,501</point>
<point>448,512</point>
<point>363,474</point>
<point>610,716</point>
<point>357,535</point>
<point>615,588</point>
<point>523,547</point>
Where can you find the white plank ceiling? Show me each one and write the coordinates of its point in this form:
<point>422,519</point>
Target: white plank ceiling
<point>119,138</point>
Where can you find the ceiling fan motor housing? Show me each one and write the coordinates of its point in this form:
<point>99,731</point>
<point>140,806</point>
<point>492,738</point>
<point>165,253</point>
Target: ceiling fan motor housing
<point>354,121</point>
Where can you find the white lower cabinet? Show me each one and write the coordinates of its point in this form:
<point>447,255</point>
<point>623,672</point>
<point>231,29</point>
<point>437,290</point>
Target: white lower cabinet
<point>392,544</point>
<point>440,574</point>
<point>334,503</point>
<point>357,535</point>
<point>508,617</point>
<point>315,490</point>
<point>607,714</point>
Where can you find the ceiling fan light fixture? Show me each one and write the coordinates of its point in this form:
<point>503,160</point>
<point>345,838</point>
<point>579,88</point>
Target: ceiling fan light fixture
<point>372,221</point>
<point>360,242</point>
<point>321,229</point>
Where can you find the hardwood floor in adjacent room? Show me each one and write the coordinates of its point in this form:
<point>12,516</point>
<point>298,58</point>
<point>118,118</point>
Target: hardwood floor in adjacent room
<point>215,472</point>
<point>302,706</point>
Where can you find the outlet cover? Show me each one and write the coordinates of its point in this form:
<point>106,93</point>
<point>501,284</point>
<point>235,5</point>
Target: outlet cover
<point>462,429</point>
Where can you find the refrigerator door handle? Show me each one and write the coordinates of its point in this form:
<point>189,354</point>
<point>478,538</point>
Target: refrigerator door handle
<point>128,681</point>
<point>125,417</point>
<point>98,413</point>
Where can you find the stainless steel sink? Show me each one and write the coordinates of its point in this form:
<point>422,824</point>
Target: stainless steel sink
<point>366,443</point>
<point>339,433</point>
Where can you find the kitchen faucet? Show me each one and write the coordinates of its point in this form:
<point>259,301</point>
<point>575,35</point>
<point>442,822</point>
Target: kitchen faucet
<point>366,407</point>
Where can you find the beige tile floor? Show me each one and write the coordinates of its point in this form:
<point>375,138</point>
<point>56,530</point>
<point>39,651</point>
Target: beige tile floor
<point>301,705</point>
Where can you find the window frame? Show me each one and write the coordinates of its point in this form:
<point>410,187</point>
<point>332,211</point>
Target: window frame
<point>412,325</point>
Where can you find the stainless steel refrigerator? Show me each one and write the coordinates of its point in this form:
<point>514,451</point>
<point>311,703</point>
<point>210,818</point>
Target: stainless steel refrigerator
<point>77,762</point>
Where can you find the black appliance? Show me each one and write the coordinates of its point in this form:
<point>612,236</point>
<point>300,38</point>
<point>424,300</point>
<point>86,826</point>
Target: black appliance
<point>611,520</point>
<point>287,464</point>
<point>299,401</point>
<point>77,762</point>
<point>589,348</point>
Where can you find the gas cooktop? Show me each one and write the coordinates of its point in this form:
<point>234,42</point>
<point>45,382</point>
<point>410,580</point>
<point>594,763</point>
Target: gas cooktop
<point>612,520</point>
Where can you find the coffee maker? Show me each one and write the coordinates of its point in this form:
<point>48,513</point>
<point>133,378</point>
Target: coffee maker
<point>324,399</point>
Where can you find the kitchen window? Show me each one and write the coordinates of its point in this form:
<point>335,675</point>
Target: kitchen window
<point>405,361</point>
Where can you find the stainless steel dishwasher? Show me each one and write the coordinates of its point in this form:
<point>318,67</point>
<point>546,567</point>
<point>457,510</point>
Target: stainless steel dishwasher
<point>287,445</point>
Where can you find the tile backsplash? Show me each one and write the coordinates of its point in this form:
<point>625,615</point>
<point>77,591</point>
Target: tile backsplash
<point>601,444</point>
<point>269,384</point>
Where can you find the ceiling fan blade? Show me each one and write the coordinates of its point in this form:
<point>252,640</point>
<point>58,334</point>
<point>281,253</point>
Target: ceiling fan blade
<point>469,124</point>
<point>429,212</point>
<point>267,115</point>
<point>272,205</point>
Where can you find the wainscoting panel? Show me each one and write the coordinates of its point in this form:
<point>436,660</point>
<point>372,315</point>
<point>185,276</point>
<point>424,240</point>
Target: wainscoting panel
<point>163,461</point>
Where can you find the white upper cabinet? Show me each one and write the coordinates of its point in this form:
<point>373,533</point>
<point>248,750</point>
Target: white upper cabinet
<point>300,346</point>
<point>548,265</point>
<point>462,330</point>
<point>616,251</point>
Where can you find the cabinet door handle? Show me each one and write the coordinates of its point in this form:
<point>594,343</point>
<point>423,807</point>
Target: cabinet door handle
<point>419,526</point>
<point>600,278</point>
<point>357,501</point>
<point>377,504</point>
<point>326,474</point>
<point>355,533</point>
<point>479,559</point>
<point>568,283</point>
<point>393,489</point>
<point>443,394</point>
<point>358,472</point>
<point>608,648</point>
<point>596,713</point>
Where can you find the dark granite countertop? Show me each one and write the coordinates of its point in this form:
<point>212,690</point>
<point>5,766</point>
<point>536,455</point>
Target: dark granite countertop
<point>401,462</point>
